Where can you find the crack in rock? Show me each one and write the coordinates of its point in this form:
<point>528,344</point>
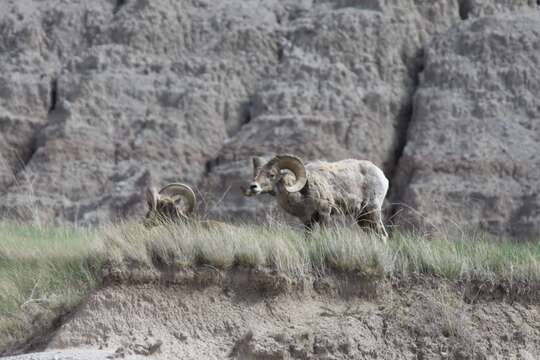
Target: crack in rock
<point>119,5</point>
<point>53,95</point>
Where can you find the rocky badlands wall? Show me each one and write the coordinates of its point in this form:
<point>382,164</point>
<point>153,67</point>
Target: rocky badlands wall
<point>99,99</point>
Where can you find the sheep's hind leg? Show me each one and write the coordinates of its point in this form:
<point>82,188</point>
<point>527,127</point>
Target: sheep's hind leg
<point>363,218</point>
<point>364,221</point>
<point>372,220</point>
<point>379,225</point>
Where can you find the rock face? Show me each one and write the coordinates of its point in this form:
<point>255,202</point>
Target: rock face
<point>140,92</point>
<point>473,150</point>
<point>100,100</point>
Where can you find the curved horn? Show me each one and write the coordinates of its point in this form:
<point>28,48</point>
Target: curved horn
<point>294,164</point>
<point>257,164</point>
<point>152,198</point>
<point>179,189</point>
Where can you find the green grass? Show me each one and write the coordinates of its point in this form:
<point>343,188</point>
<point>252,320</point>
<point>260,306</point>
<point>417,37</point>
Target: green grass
<point>46,271</point>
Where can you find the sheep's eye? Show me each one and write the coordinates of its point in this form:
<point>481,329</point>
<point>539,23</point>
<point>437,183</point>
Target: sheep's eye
<point>272,176</point>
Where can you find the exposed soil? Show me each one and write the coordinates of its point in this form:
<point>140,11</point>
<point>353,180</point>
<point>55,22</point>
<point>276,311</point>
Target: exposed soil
<point>248,314</point>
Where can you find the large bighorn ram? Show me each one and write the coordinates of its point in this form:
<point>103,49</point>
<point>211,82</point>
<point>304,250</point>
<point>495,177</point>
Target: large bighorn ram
<point>175,203</point>
<point>317,190</point>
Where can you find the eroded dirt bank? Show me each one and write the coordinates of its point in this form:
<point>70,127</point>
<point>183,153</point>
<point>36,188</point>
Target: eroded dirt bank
<point>255,315</point>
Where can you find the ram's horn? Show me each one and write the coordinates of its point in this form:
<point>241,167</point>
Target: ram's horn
<point>296,166</point>
<point>175,190</point>
<point>152,197</point>
<point>257,164</point>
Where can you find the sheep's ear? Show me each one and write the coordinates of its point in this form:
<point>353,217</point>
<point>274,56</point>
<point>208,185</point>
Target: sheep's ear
<point>152,198</point>
<point>257,163</point>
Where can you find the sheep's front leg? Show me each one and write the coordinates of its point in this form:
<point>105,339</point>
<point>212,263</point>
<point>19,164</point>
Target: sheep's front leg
<point>324,217</point>
<point>309,223</point>
<point>321,217</point>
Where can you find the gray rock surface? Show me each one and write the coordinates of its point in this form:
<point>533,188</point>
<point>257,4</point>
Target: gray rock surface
<point>473,149</point>
<point>99,100</point>
<point>146,92</point>
<point>479,8</point>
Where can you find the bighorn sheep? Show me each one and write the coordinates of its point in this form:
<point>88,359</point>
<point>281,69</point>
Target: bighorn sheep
<point>314,191</point>
<point>166,206</point>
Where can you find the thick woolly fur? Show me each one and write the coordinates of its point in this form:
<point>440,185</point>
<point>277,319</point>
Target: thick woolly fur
<point>348,187</point>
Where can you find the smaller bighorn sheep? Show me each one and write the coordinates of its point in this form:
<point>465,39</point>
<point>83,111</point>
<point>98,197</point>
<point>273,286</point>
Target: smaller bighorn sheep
<point>166,205</point>
<point>317,190</point>
<point>175,203</point>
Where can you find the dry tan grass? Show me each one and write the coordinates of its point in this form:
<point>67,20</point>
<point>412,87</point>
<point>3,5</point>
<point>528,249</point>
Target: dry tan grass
<point>469,257</point>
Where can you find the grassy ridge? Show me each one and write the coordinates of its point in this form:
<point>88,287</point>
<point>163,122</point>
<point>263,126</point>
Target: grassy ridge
<point>471,257</point>
<point>46,271</point>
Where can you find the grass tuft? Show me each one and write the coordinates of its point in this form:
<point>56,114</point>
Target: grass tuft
<point>440,318</point>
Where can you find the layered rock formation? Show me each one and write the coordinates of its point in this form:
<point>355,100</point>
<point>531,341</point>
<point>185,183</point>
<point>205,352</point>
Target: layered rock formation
<point>99,100</point>
<point>473,150</point>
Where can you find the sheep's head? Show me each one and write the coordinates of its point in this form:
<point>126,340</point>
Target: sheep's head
<point>267,176</point>
<point>173,203</point>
